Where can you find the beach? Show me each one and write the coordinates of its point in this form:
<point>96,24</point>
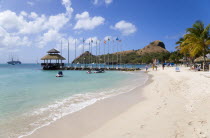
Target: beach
<point>171,104</point>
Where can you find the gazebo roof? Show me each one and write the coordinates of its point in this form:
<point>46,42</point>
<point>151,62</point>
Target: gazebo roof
<point>200,59</point>
<point>53,51</point>
<point>53,57</point>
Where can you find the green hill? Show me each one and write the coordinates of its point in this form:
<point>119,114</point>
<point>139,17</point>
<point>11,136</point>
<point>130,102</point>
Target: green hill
<point>155,49</point>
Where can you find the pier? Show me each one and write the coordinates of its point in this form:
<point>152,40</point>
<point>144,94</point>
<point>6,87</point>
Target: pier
<point>102,67</point>
<point>54,61</point>
<point>56,66</point>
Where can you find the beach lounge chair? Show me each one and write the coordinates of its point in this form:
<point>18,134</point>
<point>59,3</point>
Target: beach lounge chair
<point>177,69</point>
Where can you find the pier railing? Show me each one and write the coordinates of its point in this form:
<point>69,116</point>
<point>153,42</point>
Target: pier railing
<point>62,66</point>
<point>52,64</point>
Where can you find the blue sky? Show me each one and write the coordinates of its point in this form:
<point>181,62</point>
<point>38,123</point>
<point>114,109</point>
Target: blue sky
<point>28,28</point>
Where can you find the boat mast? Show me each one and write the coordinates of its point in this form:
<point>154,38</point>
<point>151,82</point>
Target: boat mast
<point>68,53</point>
<point>96,53</point>
<point>104,53</point>
<point>121,54</point>
<point>75,49</point>
<point>117,55</point>
<point>83,51</point>
<point>99,56</point>
<point>89,53</point>
<point>108,52</point>
<point>61,48</point>
<point>113,54</point>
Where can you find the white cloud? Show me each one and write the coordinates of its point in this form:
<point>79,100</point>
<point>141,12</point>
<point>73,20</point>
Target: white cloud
<point>23,13</point>
<point>36,24</point>
<point>52,36</point>
<point>100,2</point>
<point>9,20</point>
<point>84,21</point>
<point>33,15</point>
<point>108,1</point>
<point>57,21</point>
<point>30,3</point>
<point>8,40</point>
<point>25,29</point>
<point>67,4</point>
<point>126,28</point>
<point>95,2</point>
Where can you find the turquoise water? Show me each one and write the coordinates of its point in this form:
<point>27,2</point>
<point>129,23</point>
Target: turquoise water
<point>32,98</point>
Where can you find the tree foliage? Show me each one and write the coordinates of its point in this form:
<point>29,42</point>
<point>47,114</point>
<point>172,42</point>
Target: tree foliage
<point>196,41</point>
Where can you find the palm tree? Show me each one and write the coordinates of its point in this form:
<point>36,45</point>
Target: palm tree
<point>197,40</point>
<point>182,48</point>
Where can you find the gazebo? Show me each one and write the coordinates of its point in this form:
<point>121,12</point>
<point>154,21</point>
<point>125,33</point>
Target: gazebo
<point>53,54</point>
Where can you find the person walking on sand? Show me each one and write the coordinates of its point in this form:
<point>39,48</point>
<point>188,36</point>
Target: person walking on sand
<point>163,65</point>
<point>146,68</point>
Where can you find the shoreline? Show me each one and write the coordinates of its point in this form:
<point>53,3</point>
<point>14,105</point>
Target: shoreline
<point>120,101</point>
<point>170,105</point>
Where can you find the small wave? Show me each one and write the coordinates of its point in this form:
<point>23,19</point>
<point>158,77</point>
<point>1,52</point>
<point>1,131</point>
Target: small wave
<point>46,115</point>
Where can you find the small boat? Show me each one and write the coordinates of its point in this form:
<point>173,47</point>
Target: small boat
<point>89,71</point>
<point>60,74</point>
<point>99,71</point>
<point>13,62</point>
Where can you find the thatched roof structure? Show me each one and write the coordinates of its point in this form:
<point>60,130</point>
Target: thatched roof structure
<point>53,57</point>
<point>53,51</point>
<point>200,59</point>
<point>183,60</point>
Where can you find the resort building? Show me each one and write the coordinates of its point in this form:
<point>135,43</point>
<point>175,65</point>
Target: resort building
<point>53,60</point>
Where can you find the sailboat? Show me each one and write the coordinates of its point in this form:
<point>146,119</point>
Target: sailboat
<point>13,62</point>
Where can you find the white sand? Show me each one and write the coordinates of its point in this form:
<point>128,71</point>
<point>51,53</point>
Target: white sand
<point>173,105</point>
<point>177,105</point>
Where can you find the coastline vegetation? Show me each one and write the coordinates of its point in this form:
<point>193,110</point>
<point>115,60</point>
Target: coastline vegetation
<point>195,43</point>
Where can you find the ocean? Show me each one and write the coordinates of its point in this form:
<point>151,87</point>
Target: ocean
<point>31,98</point>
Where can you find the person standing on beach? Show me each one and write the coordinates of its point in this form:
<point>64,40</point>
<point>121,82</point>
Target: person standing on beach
<point>153,66</point>
<point>146,68</point>
<point>156,67</point>
<point>163,65</point>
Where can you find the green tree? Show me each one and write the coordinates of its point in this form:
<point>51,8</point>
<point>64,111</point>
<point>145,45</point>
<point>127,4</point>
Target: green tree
<point>197,40</point>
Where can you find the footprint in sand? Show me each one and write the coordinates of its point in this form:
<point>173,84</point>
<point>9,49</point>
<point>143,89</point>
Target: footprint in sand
<point>190,123</point>
<point>200,133</point>
<point>142,126</point>
<point>203,122</point>
<point>127,134</point>
<point>159,108</point>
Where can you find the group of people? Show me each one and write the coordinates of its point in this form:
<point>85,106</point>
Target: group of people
<point>196,67</point>
<point>154,67</point>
